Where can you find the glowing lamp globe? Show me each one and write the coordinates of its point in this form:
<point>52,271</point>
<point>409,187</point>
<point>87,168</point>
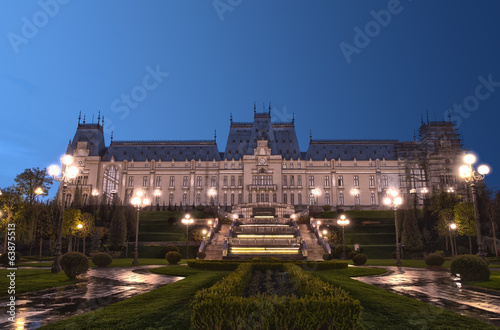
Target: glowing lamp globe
<point>483,169</point>
<point>464,171</point>
<point>469,159</point>
<point>54,170</point>
<point>72,172</point>
<point>387,201</point>
<point>145,201</point>
<point>398,201</point>
<point>67,160</point>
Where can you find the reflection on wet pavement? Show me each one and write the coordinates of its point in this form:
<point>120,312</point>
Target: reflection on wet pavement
<point>104,286</point>
<point>438,287</point>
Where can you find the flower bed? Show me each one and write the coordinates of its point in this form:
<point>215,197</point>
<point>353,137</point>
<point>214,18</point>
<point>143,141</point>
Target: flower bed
<point>299,301</point>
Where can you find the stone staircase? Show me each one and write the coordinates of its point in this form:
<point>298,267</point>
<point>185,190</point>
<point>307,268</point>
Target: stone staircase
<point>314,250</point>
<point>214,249</point>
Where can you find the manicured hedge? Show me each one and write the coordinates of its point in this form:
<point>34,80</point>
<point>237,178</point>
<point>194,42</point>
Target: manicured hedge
<point>470,268</point>
<point>233,264</point>
<point>319,305</point>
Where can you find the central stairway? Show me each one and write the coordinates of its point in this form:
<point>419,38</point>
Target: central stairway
<point>261,230</point>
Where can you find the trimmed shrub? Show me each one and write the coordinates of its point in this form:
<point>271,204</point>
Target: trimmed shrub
<point>173,257</point>
<point>74,264</point>
<point>327,256</point>
<point>319,305</point>
<point>434,259</point>
<point>337,252</point>
<point>102,259</point>
<point>172,220</point>
<point>359,259</point>
<point>166,249</point>
<point>352,254</point>
<point>202,255</point>
<point>470,268</point>
<point>233,264</point>
<point>6,258</point>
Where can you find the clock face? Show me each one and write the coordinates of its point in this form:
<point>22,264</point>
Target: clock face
<point>262,161</point>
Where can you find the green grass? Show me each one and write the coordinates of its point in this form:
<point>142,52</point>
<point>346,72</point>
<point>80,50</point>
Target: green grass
<point>28,280</point>
<point>386,310</point>
<point>493,283</point>
<point>125,262</point>
<point>404,263</point>
<point>166,307</point>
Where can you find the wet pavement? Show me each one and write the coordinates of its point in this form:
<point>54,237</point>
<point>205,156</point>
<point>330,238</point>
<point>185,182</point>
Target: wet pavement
<point>103,287</point>
<point>439,288</point>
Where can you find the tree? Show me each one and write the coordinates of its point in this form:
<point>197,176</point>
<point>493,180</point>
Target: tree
<point>117,230</point>
<point>72,217</point>
<point>446,218</point>
<point>466,223</point>
<point>411,237</point>
<point>33,178</point>
<point>12,206</point>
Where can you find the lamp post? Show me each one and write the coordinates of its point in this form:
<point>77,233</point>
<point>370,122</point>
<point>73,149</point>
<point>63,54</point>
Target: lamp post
<point>70,172</point>
<point>39,191</point>
<point>79,227</point>
<point>157,194</point>
<point>187,221</point>
<point>212,194</point>
<point>316,194</point>
<point>394,201</point>
<point>453,227</point>
<point>450,190</point>
<point>469,174</point>
<point>343,222</point>
<point>138,202</point>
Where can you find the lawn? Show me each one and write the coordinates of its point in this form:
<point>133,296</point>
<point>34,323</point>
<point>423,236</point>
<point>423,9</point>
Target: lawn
<point>125,262</point>
<point>28,280</point>
<point>493,283</point>
<point>404,263</point>
<point>166,307</point>
<point>386,310</point>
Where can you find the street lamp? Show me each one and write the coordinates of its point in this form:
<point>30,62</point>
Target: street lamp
<point>38,192</point>
<point>138,201</point>
<point>469,174</point>
<point>343,222</point>
<point>212,193</point>
<point>316,194</point>
<point>157,194</point>
<point>79,227</point>
<point>450,190</point>
<point>187,221</point>
<point>394,201</point>
<point>454,252</point>
<point>70,172</point>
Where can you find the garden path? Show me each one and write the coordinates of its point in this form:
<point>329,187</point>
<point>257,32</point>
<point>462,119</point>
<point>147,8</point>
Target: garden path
<point>103,287</point>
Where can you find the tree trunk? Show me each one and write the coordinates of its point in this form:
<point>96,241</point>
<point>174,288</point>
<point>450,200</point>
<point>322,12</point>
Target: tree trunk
<point>70,243</point>
<point>83,245</point>
<point>494,237</point>
<point>41,243</point>
<point>452,247</point>
<point>470,244</point>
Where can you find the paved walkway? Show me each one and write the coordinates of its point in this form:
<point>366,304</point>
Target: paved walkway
<point>104,286</point>
<point>439,288</point>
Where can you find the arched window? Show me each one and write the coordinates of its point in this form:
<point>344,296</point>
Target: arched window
<point>185,199</point>
<point>299,197</point>
<point>198,199</point>
<point>110,181</point>
<point>327,198</point>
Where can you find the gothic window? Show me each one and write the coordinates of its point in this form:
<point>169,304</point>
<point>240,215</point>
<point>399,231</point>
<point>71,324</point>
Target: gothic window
<point>299,197</point>
<point>185,180</point>
<point>312,199</point>
<point>275,198</point>
<point>327,198</point>
<point>356,181</point>
<point>385,181</point>
<point>257,198</point>
<point>291,165</point>
<point>240,181</point>
<point>285,183</point>
<point>356,199</point>
<point>372,181</point>
<point>292,198</point>
<point>225,181</point>
<point>130,181</point>
<point>285,199</point>
<point>292,180</point>
<point>341,199</point>
<point>225,199</point>
<point>298,165</point>
<point>158,181</point>
<point>198,181</point>
<point>232,199</point>
<point>266,196</point>
<point>144,181</point>
<point>327,181</point>
<point>110,180</point>
<point>299,180</point>
<point>340,180</point>
<point>250,198</point>
<point>311,181</point>
<point>68,200</point>
<point>240,198</point>
<point>213,182</point>
<point>184,199</point>
<point>372,198</point>
<point>232,180</point>
<point>198,199</point>
<point>85,197</point>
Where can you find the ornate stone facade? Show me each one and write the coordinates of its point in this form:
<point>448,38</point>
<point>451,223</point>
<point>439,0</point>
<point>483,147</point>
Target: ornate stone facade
<point>262,163</point>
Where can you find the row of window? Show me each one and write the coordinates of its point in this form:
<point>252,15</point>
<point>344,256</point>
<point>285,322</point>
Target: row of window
<point>185,181</point>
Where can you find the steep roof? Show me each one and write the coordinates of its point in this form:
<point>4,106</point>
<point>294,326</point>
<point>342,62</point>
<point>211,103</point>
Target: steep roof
<point>350,149</point>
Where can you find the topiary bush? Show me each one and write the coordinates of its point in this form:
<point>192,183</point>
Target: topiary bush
<point>352,254</point>
<point>4,258</point>
<point>74,264</point>
<point>173,257</point>
<point>202,255</point>
<point>166,249</point>
<point>337,252</point>
<point>359,259</point>
<point>102,259</point>
<point>434,259</point>
<point>470,268</point>
<point>327,256</point>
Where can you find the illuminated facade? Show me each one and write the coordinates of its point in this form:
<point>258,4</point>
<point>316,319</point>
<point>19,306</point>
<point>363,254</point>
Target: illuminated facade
<point>262,163</point>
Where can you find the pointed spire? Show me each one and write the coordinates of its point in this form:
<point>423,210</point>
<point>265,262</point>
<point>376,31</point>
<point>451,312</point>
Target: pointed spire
<point>293,118</point>
<point>79,117</point>
<point>231,118</point>
<point>414,136</point>
<point>254,108</point>
<point>422,119</point>
<point>449,116</point>
<point>99,118</point>
<point>83,119</point>
<point>102,121</point>
<point>427,114</point>
<point>269,107</point>
<point>310,135</point>
<point>111,136</point>
<point>215,136</point>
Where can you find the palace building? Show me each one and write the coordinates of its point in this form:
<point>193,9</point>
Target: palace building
<point>262,163</point>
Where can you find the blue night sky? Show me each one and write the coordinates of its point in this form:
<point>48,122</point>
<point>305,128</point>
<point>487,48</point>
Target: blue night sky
<point>213,58</point>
